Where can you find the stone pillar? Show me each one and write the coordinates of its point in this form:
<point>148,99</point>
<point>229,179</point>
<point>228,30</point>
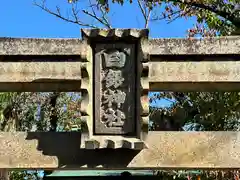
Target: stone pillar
<point>116,97</point>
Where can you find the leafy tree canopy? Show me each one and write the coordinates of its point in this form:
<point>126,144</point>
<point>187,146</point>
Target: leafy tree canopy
<point>220,16</point>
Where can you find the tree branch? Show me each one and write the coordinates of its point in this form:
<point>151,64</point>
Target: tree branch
<point>233,17</point>
<point>58,14</point>
<point>211,8</point>
<point>226,15</point>
<point>97,18</point>
<point>171,14</point>
<point>104,17</point>
<point>53,117</point>
<point>146,13</point>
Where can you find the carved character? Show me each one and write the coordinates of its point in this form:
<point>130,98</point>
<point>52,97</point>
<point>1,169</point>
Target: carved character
<point>109,116</point>
<point>120,117</point>
<point>114,58</point>
<point>113,118</point>
<point>111,76</point>
<point>114,96</point>
<point>114,78</point>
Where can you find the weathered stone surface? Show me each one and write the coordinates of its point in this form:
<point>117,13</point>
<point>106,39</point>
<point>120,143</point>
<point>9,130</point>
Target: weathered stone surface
<point>33,71</point>
<point>195,71</point>
<point>165,150</point>
<point>114,33</point>
<point>113,142</point>
<point>40,76</point>
<point>115,89</point>
<point>219,45</point>
<point>190,150</point>
<point>166,75</point>
<point>19,152</point>
<point>35,46</point>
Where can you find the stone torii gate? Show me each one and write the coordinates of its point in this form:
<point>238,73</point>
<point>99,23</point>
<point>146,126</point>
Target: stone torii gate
<point>114,70</point>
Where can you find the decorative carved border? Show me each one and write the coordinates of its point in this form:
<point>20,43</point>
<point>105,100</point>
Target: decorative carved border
<point>114,33</point>
<point>144,89</point>
<point>86,91</point>
<point>90,140</point>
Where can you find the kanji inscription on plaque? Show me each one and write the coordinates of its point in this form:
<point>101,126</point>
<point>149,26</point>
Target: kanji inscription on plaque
<point>114,79</point>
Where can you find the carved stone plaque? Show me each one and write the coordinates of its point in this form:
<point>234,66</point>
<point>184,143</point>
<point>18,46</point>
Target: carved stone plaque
<point>114,91</point>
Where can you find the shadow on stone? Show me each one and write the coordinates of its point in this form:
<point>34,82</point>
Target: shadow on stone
<point>66,147</point>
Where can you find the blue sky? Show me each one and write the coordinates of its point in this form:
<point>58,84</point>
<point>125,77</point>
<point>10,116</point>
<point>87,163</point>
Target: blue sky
<point>21,19</point>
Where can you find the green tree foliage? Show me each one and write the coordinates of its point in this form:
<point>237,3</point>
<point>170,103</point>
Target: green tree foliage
<point>22,175</point>
<point>214,17</point>
<point>36,111</point>
<point>209,111</point>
